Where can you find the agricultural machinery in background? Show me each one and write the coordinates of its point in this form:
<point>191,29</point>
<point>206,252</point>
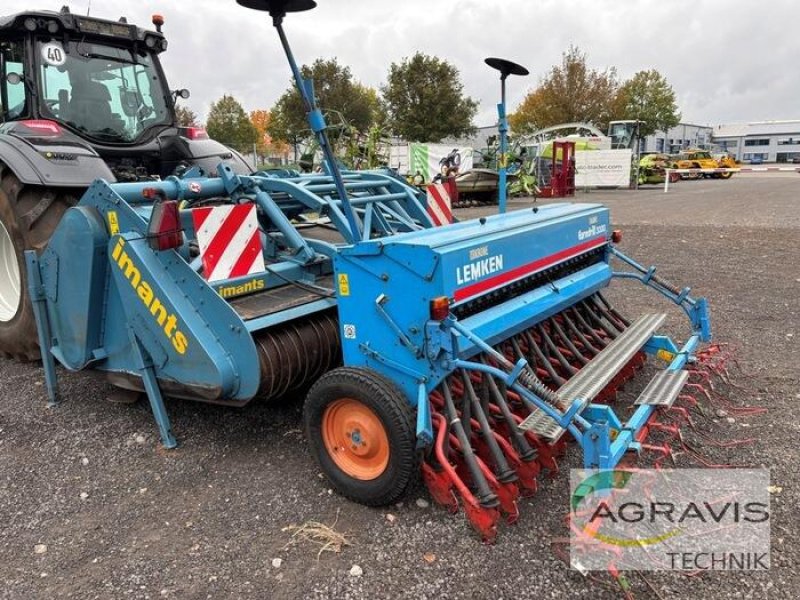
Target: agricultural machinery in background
<point>354,149</point>
<point>468,353</point>
<point>702,159</point>
<point>652,169</point>
<point>555,169</point>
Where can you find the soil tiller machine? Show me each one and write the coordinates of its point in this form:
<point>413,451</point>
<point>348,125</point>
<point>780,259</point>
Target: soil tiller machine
<point>467,353</point>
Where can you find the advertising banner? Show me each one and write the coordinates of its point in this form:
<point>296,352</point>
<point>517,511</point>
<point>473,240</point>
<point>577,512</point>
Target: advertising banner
<point>430,160</point>
<point>603,168</point>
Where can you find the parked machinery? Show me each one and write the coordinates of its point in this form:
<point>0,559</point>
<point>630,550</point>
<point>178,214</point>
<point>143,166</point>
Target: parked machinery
<point>80,99</point>
<point>652,169</point>
<point>465,351</point>
<point>694,158</point>
<point>555,170</point>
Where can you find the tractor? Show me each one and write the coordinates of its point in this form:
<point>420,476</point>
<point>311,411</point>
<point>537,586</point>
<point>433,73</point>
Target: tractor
<point>81,98</point>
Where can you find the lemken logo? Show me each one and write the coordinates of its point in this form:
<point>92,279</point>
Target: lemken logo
<point>167,321</point>
<point>479,266</point>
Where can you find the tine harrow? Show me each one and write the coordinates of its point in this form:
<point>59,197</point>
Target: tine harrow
<point>481,459</point>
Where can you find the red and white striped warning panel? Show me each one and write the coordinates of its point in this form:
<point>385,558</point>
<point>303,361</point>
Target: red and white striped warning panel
<point>229,240</point>
<point>439,208</point>
<point>764,169</point>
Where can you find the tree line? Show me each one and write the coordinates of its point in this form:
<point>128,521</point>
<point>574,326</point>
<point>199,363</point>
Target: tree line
<point>573,92</point>
<point>423,99</point>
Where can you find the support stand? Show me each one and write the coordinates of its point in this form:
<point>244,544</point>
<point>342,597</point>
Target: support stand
<point>38,302</point>
<point>145,366</point>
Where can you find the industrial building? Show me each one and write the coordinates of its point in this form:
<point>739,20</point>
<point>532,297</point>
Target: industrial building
<point>757,141</point>
<point>680,137</point>
<point>765,141</point>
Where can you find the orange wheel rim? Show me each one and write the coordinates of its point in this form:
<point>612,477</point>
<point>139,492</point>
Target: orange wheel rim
<point>355,439</point>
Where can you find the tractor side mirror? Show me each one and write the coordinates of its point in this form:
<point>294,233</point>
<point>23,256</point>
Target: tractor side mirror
<point>182,93</point>
<point>14,78</point>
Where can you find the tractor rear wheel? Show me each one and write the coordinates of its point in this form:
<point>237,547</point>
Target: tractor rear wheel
<point>361,430</point>
<point>28,217</point>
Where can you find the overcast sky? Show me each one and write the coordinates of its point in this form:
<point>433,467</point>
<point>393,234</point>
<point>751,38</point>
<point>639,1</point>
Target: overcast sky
<point>728,61</point>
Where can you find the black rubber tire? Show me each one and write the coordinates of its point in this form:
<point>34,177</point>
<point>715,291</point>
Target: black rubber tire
<point>18,338</point>
<point>398,418</point>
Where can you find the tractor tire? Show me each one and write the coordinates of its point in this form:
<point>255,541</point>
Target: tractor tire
<point>28,217</point>
<point>361,431</point>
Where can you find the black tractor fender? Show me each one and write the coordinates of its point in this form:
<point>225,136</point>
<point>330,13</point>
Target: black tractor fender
<point>38,161</point>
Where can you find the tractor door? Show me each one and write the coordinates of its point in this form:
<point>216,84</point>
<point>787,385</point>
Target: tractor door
<point>13,94</point>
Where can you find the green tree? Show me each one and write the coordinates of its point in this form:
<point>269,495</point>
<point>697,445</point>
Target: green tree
<point>228,123</point>
<point>186,117</point>
<point>425,100</point>
<point>571,92</point>
<point>380,117</point>
<point>649,98</point>
<point>343,99</point>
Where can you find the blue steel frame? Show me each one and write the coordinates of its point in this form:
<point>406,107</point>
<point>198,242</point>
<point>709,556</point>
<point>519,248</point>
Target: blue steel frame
<point>88,311</point>
<point>396,340</point>
<point>604,437</point>
<point>366,209</point>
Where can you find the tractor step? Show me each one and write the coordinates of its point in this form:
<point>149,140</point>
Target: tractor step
<point>663,389</point>
<point>587,383</point>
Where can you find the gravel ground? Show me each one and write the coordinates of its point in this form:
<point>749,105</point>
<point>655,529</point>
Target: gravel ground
<point>91,507</point>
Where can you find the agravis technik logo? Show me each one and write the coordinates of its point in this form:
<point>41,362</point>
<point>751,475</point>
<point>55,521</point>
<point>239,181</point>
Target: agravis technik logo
<point>671,519</point>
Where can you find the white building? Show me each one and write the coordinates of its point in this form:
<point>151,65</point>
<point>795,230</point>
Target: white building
<point>769,141</point>
<point>680,137</point>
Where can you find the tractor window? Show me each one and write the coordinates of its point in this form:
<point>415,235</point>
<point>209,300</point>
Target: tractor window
<point>104,92</point>
<point>13,97</point>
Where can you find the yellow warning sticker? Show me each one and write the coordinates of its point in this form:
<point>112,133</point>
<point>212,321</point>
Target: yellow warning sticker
<point>113,222</point>
<point>344,284</point>
<point>665,355</point>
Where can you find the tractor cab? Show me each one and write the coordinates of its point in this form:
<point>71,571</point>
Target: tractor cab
<point>624,134</point>
<point>75,80</point>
